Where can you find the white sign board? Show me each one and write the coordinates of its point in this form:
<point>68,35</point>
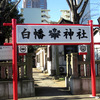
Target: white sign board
<point>53,34</point>
<point>5,52</point>
<point>82,49</point>
<point>22,48</point>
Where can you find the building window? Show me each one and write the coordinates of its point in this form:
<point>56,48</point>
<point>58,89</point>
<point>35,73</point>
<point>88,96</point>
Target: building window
<point>28,5</point>
<point>43,11</point>
<point>43,16</point>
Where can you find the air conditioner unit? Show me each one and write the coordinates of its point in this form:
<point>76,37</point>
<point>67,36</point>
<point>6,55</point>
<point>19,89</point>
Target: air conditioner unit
<point>62,70</point>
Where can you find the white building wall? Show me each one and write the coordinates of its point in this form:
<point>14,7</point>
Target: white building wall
<point>41,63</point>
<point>35,15</point>
<point>66,14</point>
<point>97,47</point>
<point>48,61</point>
<point>32,15</point>
<point>45,16</point>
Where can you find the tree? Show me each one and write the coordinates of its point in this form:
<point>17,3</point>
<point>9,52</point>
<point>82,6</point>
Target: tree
<point>98,20</point>
<point>74,7</point>
<point>8,11</point>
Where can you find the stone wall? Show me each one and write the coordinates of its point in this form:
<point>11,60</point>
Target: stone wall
<point>79,75</point>
<point>25,89</point>
<point>83,85</point>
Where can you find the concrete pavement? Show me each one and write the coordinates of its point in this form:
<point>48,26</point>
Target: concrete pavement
<point>49,89</point>
<point>68,97</point>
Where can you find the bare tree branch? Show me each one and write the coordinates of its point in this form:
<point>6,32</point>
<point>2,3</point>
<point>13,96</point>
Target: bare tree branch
<point>88,16</point>
<point>6,2</point>
<point>12,10</point>
<point>79,4</point>
<point>72,4</point>
<point>75,2</point>
<point>15,6</point>
<point>83,8</point>
<point>84,19</point>
<point>1,3</point>
<point>69,4</point>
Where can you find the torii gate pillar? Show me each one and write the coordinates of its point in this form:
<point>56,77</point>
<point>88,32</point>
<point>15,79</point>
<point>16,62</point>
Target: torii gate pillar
<point>93,77</point>
<point>14,61</point>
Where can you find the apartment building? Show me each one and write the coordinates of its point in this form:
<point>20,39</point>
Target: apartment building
<point>35,4</point>
<point>35,11</point>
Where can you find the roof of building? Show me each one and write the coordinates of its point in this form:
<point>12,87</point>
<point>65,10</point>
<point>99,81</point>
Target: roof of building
<point>64,21</point>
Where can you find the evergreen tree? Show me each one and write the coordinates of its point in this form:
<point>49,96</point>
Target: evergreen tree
<point>8,11</point>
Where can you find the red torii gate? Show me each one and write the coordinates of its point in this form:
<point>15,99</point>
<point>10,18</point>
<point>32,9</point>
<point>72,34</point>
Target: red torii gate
<point>14,52</point>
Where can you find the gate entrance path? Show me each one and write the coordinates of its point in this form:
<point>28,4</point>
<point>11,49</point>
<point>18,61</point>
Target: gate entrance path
<point>49,89</point>
<point>19,37</point>
<point>46,85</point>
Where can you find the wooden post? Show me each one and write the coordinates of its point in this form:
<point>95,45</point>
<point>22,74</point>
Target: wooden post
<point>74,65</point>
<point>29,65</point>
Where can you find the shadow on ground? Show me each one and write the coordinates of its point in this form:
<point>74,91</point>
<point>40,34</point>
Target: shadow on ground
<point>51,91</point>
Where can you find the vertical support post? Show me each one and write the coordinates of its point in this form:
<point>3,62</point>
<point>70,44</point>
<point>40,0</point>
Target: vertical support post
<point>14,60</point>
<point>29,65</point>
<point>93,77</point>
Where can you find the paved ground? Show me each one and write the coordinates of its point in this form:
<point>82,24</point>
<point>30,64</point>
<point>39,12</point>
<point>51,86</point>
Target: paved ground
<point>47,86</point>
<point>49,89</point>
